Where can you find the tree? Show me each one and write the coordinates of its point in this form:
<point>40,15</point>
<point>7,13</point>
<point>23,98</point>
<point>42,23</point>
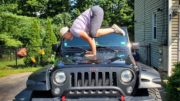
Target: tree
<point>55,7</point>
<point>43,8</point>
<point>82,5</point>
<point>32,7</point>
<point>17,27</point>
<point>35,43</point>
<point>63,19</point>
<point>48,41</point>
<point>8,41</point>
<point>8,8</point>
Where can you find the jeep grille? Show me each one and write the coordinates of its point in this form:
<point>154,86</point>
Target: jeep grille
<point>81,79</point>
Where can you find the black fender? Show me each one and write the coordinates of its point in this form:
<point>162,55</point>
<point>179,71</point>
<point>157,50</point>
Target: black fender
<point>149,77</point>
<point>24,95</point>
<point>40,80</point>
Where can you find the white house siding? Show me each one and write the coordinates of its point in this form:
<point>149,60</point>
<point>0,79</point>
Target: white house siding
<point>143,27</point>
<point>139,26</point>
<point>175,31</point>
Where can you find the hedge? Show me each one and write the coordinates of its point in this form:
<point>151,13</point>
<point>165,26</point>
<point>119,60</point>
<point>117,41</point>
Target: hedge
<point>173,85</point>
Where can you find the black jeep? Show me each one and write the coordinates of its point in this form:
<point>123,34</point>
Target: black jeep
<point>111,75</point>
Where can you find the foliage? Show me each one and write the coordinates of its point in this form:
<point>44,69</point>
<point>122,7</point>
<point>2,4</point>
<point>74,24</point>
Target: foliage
<point>43,8</point>
<point>32,7</point>
<point>8,8</point>
<point>16,27</point>
<point>35,43</point>
<point>28,32</point>
<point>8,41</point>
<point>55,7</point>
<point>62,19</point>
<point>49,40</point>
<point>173,86</point>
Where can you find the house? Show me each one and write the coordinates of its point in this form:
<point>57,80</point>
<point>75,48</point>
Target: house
<point>158,32</point>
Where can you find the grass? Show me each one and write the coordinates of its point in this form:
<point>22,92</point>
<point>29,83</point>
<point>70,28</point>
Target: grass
<point>9,67</point>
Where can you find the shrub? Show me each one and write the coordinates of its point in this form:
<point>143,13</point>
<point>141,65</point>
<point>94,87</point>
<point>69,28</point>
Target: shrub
<point>62,19</point>
<point>173,85</point>
<point>34,44</point>
<point>16,27</point>
<point>8,7</point>
<point>8,41</point>
<point>34,33</point>
<point>49,40</point>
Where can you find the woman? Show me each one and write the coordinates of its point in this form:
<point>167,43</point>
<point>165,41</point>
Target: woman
<point>87,26</point>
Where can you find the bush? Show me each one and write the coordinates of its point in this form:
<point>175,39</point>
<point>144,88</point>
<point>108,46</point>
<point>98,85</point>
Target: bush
<point>173,85</point>
<point>48,41</point>
<point>34,33</point>
<point>34,44</point>
<point>8,8</point>
<point>16,27</point>
<point>8,41</point>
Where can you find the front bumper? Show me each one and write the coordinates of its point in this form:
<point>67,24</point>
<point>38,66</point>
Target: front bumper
<point>26,96</point>
<point>128,98</point>
<point>104,91</point>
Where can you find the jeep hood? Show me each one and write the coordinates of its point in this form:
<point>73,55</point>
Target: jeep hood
<point>100,58</point>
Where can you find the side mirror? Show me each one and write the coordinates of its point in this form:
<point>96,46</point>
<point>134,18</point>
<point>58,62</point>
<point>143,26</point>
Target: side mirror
<point>135,46</point>
<point>55,47</point>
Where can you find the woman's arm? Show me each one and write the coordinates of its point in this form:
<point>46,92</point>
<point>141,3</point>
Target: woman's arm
<point>90,40</point>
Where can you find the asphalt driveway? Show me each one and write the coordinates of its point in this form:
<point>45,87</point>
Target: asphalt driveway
<point>11,85</point>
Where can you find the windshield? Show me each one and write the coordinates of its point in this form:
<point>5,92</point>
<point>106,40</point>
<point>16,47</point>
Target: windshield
<point>111,40</point>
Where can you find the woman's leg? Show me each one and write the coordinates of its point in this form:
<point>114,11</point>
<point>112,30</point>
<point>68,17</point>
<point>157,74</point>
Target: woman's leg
<point>104,31</point>
<point>114,28</point>
<point>96,21</point>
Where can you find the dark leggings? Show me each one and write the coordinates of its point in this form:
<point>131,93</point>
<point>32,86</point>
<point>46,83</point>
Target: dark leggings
<point>96,20</point>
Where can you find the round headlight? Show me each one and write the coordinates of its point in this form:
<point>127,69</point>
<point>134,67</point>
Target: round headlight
<point>126,76</point>
<point>60,77</point>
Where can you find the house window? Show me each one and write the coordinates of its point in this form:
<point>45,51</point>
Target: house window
<point>154,26</point>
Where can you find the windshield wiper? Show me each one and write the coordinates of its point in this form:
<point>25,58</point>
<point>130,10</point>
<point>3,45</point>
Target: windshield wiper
<point>108,48</point>
<point>77,48</point>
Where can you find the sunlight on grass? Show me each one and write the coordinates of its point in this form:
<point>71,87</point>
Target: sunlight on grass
<point>6,72</point>
<point>6,64</point>
<point>9,67</point>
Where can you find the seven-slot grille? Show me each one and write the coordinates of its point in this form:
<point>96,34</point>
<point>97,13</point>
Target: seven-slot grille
<point>80,79</point>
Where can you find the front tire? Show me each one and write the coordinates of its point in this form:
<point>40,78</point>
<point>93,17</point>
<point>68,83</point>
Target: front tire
<point>154,92</point>
<point>151,92</point>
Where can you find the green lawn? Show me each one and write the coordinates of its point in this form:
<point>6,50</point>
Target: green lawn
<point>9,67</point>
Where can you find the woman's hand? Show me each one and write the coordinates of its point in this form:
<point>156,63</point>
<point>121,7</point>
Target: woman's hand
<point>91,56</point>
<point>89,52</point>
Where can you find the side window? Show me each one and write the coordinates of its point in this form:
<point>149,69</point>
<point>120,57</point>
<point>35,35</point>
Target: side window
<point>154,26</point>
